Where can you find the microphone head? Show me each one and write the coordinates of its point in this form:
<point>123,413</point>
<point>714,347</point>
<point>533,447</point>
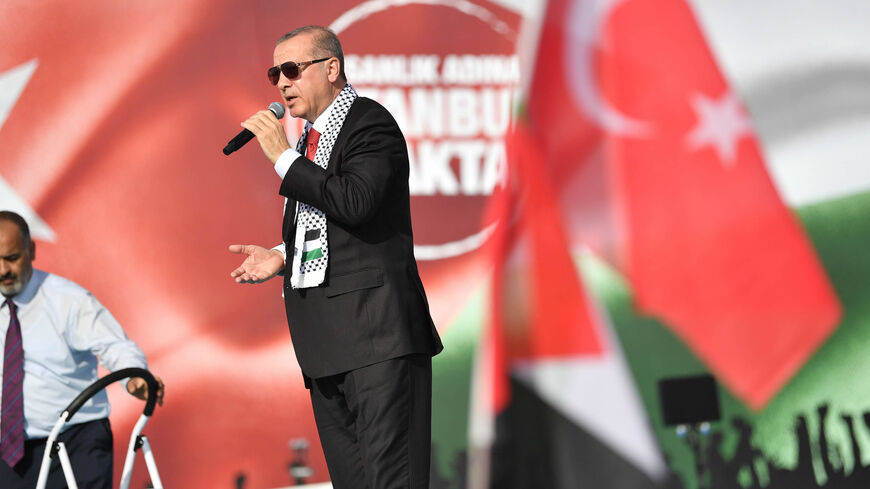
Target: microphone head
<point>277,108</point>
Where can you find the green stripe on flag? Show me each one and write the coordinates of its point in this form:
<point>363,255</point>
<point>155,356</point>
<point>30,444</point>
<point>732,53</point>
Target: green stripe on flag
<point>311,255</point>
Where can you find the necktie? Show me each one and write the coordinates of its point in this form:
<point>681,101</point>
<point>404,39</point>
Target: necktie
<point>313,137</point>
<point>310,150</point>
<point>12,417</point>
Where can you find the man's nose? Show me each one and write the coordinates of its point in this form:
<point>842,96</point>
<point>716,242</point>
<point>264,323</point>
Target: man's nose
<point>283,82</point>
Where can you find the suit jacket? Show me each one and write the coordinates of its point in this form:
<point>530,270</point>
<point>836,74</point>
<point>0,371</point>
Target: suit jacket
<point>371,306</point>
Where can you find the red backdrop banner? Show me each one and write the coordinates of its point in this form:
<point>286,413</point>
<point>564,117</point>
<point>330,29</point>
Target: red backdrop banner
<point>117,113</point>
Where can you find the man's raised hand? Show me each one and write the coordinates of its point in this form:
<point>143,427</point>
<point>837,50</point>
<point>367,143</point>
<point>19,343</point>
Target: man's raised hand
<point>269,132</point>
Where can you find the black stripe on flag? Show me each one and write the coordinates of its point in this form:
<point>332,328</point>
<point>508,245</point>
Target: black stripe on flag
<point>536,446</point>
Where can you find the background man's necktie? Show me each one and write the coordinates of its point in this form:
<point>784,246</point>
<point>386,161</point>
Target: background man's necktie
<point>12,418</point>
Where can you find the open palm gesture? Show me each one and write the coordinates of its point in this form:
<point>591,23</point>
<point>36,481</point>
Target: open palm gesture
<point>260,265</point>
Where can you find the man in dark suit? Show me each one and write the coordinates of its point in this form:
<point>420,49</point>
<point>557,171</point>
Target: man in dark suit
<point>357,312</point>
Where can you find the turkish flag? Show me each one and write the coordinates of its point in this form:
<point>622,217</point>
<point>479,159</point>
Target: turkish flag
<point>114,139</point>
<point>630,125</point>
<point>627,94</point>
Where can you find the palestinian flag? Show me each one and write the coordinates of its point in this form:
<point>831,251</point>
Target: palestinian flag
<point>311,249</point>
<point>554,402</point>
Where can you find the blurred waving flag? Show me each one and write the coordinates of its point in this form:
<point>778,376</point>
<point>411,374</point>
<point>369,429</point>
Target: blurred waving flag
<point>570,415</point>
<point>626,104</point>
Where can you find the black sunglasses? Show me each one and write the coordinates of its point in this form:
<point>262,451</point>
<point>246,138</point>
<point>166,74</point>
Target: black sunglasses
<point>291,69</point>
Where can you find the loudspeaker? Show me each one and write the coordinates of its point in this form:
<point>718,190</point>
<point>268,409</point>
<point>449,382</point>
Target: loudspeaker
<point>689,400</point>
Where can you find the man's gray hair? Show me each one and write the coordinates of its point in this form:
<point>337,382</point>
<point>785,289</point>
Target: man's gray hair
<point>326,44</point>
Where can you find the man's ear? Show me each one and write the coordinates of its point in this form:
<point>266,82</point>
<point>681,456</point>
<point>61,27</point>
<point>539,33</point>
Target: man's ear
<point>32,250</point>
<point>333,69</point>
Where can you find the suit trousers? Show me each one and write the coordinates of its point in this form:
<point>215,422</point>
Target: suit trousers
<point>375,424</point>
<point>90,451</point>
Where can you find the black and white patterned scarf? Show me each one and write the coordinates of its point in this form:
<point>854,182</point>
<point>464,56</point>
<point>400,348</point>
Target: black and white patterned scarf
<point>311,250</point>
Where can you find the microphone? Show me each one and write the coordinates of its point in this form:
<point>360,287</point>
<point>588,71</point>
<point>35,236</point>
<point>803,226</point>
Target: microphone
<point>243,137</point>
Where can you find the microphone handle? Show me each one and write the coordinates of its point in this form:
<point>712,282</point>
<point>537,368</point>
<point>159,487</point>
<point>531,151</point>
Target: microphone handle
<point>238,141</point>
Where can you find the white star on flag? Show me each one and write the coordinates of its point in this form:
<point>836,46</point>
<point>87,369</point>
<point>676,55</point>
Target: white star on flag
<point>721,124</point>
<point>12,83</point>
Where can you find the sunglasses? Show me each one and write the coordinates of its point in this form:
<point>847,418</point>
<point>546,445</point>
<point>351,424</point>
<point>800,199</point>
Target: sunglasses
<point>291,69</point>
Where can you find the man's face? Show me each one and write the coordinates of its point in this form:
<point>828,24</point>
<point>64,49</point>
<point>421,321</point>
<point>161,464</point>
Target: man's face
<point>16,259</point>
<point>310,94</point>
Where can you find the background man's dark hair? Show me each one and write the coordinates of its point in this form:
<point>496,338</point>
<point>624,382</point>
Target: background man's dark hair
<point>22,225</point>
<point>326,44</point>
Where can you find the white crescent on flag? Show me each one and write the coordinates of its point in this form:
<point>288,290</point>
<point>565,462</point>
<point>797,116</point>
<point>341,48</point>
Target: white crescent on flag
<point>583,26</point>
<point>12,83</point>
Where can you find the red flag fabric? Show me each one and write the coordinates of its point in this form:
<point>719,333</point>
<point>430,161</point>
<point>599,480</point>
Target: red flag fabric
<point>539,308</point>
<point>701,233</point>
<point>555,374</point>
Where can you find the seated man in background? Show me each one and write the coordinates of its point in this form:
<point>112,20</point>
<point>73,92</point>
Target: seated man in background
<point>52,333</point>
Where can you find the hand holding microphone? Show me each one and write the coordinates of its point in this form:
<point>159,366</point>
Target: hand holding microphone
<point>266,127</point>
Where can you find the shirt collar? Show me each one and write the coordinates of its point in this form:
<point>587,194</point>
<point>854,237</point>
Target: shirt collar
<point>29,291</point>
<point>320,123</point>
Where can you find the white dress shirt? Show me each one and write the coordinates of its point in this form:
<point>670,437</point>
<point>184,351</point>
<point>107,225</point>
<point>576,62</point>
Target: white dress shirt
<point>283,163</point>
<point>64,330</point>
